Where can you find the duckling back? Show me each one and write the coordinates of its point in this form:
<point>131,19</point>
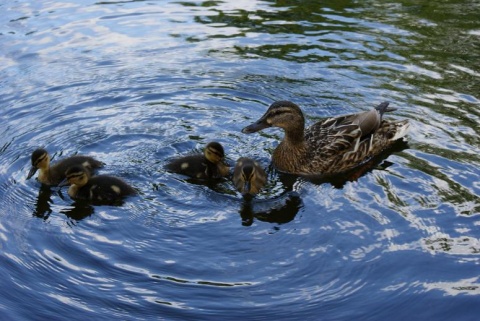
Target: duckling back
<point>208,165</point>
<point>101,188</point>
<point>57,171</point>
<point>195,166</point>
<point>105,188</point>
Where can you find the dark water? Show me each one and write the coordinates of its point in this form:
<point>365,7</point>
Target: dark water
<point>137,82</point>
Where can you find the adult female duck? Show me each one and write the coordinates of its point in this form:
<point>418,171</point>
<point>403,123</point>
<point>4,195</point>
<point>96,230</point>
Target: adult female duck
<point>332,145</point>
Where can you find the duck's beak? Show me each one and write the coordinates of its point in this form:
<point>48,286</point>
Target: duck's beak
<point>256,126</point>
<point>63,183</point>
<point>32,172</point>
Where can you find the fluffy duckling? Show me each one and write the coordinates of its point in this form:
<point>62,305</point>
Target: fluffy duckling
<point>248,176</point>
<point>209,165</point>
<point>53,175</point>
<point>97,188</point>
<point>332,145</point>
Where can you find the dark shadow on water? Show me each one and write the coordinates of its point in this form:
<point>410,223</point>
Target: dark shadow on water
<point>42,205</point>
<point>279,210</point>
<point>79,210</point>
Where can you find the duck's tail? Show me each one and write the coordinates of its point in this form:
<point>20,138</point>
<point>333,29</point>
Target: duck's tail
<point>401,129</point>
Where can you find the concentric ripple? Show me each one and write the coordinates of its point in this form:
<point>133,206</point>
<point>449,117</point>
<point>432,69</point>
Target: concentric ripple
<point>135,83</point>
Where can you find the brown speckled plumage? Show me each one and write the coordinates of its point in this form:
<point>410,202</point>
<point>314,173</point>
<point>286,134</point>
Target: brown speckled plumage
<point>332,145</point>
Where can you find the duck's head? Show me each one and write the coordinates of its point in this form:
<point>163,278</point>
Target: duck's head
<point>248,176</point>
<point>283,114</point>
<point>40,159</point>
<point>75,175</point>
<point>214,152</point>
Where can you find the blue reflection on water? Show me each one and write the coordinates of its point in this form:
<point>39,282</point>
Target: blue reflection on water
<point>135,83</point>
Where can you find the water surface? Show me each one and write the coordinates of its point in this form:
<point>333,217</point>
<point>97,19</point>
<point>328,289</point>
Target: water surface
<point>135,83</point>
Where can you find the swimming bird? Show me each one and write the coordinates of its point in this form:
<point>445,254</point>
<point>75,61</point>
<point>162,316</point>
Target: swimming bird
<point>330,146</point>
<point>248,176</point>
<point>52,175</point>
<point>101,188</point>
<point>209,165</point>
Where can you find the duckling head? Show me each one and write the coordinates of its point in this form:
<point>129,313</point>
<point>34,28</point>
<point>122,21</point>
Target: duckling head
<point>40,159</point>
<point>248,177</point>
<point>75,175</point>
<point>214,152</point>
<point>283,114</point>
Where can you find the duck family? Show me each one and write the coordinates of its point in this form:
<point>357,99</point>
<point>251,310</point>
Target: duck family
<point>330,146</point>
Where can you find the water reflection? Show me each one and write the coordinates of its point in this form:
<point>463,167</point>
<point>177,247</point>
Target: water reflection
<point>79,210</point>
<point>193,71</point>
<point>43,209</point>
<point>42,203</point>
<point>280,210</point>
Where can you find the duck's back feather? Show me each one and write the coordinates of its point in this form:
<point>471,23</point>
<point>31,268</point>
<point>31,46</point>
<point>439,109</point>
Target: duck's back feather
<point>196,166</point>
<point>104,188</point>
<point>335,146</point>
<point>57,170</point>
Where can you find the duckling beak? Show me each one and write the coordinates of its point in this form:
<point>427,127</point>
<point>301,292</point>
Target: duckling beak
<point>63,183</point>
<point>247,187</point>
<point>32,172</point>
<point>256,126</point>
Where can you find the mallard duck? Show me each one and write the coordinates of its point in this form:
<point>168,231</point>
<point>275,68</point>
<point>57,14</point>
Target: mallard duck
<point>248,176</point>
<point>332,145</point>
<point>52,175</point>
<point>101,188</point>
<point>209,165</point>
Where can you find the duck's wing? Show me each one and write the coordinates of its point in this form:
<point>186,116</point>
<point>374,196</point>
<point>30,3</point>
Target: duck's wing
<point>333,135</point>
<point>368,121</point>
<point>346,132</point>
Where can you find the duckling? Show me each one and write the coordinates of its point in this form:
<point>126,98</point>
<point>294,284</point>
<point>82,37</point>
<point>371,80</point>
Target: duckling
<point>209,165</point>
<point>97,188</point>
<point>330,146</point>
<point>248,176</point>
<point>52,175</point>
